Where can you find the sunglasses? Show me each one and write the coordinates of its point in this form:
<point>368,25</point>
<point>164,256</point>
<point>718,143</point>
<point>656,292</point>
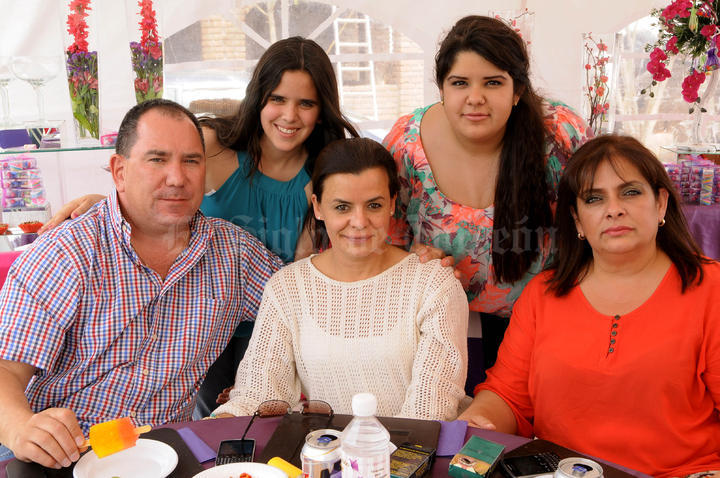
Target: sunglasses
<point>278,408</point>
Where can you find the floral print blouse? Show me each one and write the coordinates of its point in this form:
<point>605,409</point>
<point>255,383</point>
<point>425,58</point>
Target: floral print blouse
<point>425,215</point>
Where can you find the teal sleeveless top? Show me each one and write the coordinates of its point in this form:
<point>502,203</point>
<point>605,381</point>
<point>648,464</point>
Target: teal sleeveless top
<point>271,210</point>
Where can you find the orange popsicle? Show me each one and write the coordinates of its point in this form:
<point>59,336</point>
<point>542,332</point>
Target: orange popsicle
<point>113,436</point>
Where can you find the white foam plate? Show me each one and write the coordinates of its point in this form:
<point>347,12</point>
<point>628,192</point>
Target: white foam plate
<point>256,470</point>
<point>147,459</point>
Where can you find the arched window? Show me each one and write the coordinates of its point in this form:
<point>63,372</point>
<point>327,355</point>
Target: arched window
<point>379,70</point>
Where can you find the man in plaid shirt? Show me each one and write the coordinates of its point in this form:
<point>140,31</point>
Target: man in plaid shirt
<point>121,311</point>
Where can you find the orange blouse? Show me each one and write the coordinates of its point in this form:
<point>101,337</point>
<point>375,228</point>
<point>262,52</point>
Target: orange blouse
<point>641,390</point>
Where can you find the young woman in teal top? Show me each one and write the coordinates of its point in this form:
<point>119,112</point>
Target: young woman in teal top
<point>271,210</point>
<point>264,156</point>
<point>258,167</point>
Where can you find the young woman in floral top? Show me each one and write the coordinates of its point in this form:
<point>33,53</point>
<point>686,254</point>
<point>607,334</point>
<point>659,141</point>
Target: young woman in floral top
<point>479,172</point>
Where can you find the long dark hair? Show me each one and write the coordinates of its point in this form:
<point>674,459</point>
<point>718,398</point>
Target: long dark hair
<point>573,257</point>
<point>347,156</point>
<point>242,132</point>
<point>522,197</point>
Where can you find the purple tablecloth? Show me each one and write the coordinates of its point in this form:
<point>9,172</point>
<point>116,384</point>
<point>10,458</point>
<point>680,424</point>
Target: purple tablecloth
<point>704,224</point>
<point>212,432</point>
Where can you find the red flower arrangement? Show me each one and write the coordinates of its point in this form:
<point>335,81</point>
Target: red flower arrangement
<point>690,28</point>
<point>597,90</point>
<point>77,26</point>
<point>82,71</point>
<point>147,56</point>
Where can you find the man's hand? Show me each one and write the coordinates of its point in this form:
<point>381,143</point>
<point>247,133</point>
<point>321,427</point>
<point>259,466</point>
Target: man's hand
<point>71,210</point>
<point>51,438</point>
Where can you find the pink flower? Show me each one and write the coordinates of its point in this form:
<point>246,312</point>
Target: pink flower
<point>658,70</point>
<point>603,79</point>
<point>141,84</point>
<point>148,25</point>
<point>602,46</point>
<point>691,84</point>
<point>91,81</point>
<point>155,52</point>
<point>600,91</point>
<point>587,66</point>
<point>678,8</point>
<point>658,55</point>
<point>671,46</point>
<point>708,30</point>
<point>77,26</point>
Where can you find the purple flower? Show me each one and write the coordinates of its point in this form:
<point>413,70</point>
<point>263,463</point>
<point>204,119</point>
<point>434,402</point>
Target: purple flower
<point>712,60</point>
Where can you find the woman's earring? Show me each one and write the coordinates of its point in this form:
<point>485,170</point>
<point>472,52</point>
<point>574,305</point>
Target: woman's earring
<point>661,223</point>
<point>580,236</point>
<point>442,101</point>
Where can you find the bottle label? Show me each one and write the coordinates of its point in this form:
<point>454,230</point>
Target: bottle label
<point>377,466</point>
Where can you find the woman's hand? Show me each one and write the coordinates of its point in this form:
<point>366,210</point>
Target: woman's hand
<point>219,415</point>
<point>428,253</point>
<point>223,396</point>
<point>477,421</point>
<point>490,412</point>
<point>72,210</point>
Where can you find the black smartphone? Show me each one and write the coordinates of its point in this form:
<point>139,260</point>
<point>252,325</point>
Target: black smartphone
<point>529,466</point>
<point>234,451</point>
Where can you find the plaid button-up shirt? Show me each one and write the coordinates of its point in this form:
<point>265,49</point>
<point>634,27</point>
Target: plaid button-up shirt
<point>108,335</point>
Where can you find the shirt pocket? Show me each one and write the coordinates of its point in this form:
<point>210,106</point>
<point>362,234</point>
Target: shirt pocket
<point>200,329</point>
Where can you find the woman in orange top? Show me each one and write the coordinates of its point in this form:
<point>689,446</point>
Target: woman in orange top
<point>615,351</point>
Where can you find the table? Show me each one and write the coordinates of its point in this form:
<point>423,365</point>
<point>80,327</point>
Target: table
<point>213,432</point>
<point>704,225</point>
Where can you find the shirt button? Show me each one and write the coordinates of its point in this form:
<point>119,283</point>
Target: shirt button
<point>610,350</point>
<point>614,332</point>
<point>145,371</point>
<point>154,336</point>
<point>617,317</point>
<point>614,326</point>
<point>612,341</point>
<point>132,414</point>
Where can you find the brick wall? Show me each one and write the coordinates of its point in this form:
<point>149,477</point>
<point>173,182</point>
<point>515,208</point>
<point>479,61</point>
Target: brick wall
<point>221,40</point>
<point>398,84</point>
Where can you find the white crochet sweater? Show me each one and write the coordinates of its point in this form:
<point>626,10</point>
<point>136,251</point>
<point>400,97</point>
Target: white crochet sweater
<point>401,335</point>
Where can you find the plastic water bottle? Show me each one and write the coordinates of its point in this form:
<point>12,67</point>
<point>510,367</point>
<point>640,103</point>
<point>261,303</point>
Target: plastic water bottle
<point>365,443</point>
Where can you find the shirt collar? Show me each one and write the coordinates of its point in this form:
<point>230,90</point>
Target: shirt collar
<point>200,228</point>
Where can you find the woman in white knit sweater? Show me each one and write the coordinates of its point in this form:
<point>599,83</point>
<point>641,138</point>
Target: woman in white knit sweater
<point>362,316</point>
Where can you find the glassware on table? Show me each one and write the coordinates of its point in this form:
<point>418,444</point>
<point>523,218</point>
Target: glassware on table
<point>36,70</point>
<point>5,77</point>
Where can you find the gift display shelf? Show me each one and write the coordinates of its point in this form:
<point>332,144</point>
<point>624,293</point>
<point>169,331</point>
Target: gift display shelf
<point>55,150</point>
